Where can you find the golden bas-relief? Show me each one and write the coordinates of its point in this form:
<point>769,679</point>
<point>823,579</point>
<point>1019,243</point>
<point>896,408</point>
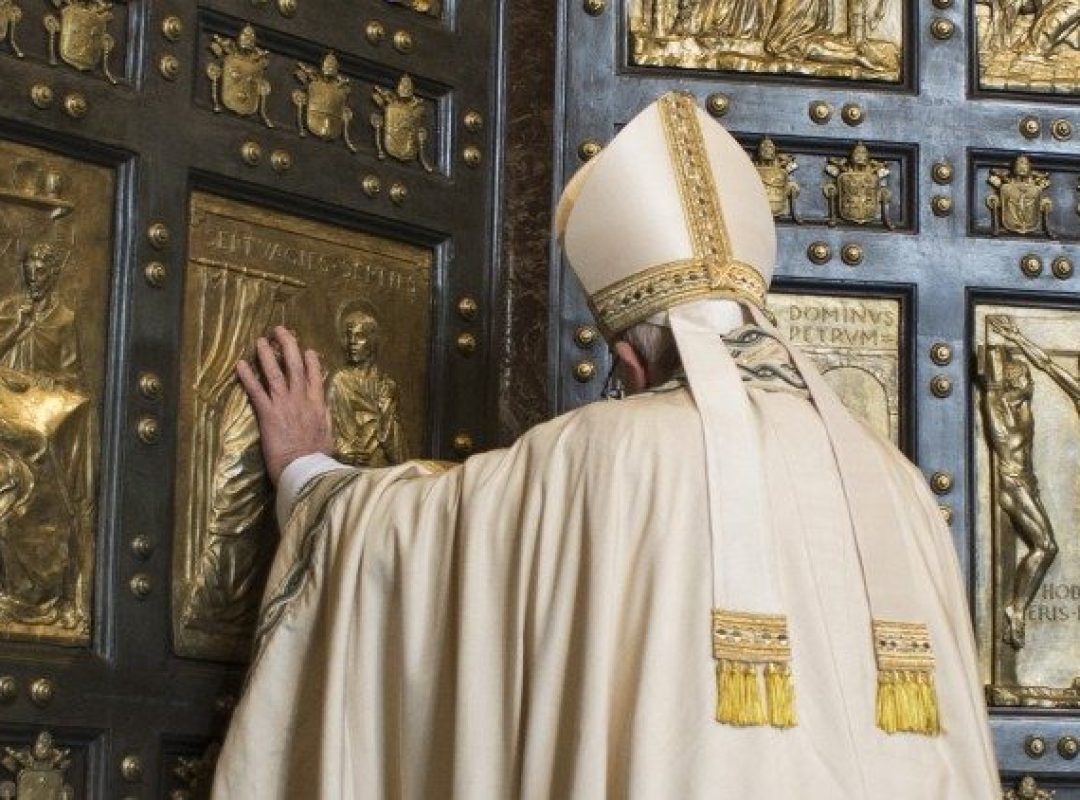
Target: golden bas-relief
<point>855,342</point>
<point>1029,47</point>
<point>362,301</point>
<point>1027,443</point>
<point>856,39</point>
<point>55,256</point>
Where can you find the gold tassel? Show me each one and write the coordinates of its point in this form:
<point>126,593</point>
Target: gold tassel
<point>738,694</point>
<point>780,694</point>
<point>906,698</point>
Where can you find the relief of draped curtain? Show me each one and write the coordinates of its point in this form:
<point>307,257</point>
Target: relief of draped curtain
<point>795,25</point>
<point>229,501</point>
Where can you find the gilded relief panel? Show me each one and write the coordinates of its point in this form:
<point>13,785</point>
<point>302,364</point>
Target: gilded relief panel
<point>1026,195</point>
<point>55,256</point>
<point>1027,446</point>
<point>855,342</point>
<point>1028,47</point>
<point>364,302</point>
<point>856,40</point>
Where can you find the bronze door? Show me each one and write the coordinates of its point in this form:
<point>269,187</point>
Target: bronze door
<point>922,165</point>
<point>174,179</point>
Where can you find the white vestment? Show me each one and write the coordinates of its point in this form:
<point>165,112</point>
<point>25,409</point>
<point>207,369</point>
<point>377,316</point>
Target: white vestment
<point>535,623</point>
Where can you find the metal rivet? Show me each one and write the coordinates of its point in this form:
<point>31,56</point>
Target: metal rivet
<point>594,8</point>
<point>941,205</point>
<point>280,160</point>
<point>585,336</point>
<point>1030,127</point>
<point>942,4</point>
<point>148,430</point>
<point>140,585</point>
<point>852,114</point>
<point>585,371</point>
<point>941,482</point>
<point>75,105</point>
<point>398,193</point>
<point>155,273</point>
<point>1035,746</point>
<point>942,28</point>
<point>941,386</point>
<point>374,32</point>
<point>287,8</point>
<point>42,691</point>
<point>1061,129</point>
<point>466,343</point>
<point>131,768</point>
<point>467,307</point>
<point>472,156</point>
<point>150,385</point>
<point>718,104</point>
<point>1068,747</point>
<point>820,112</point>
<point>462,443</point>
<point>946,513</point>
<point>9,689</point>
<point>371,185</point>
<point>589,149</point>
<point>941,353</point>
<point>403,41</point>
<point>1062,268</point>
<point>474,121</point>
<point>251,152</point>
<point>158,234</point>
<point>169,66</point>
<point>942,172</point>
<point>1031,265</point>
<point>851,254</point>
<point>819,252</point>
<point>41,95</point>
<point>142,547</point>
<point>172,27</point>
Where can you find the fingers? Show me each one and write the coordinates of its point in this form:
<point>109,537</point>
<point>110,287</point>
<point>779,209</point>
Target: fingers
<point>250,381</point>
<point>315,375</point>
<point>294,362</point>
<point>268,362</point>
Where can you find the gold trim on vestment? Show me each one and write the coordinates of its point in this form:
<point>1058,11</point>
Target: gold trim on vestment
<point>753,652</point>
<point>906,698</point>
<point>712,272</point>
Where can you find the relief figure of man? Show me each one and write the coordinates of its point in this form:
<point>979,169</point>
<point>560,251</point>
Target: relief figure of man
<point>363,399</point>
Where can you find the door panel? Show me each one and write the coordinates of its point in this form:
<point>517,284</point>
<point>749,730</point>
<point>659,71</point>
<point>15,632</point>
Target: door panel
<point>231,177</point>
<point>939,214</point>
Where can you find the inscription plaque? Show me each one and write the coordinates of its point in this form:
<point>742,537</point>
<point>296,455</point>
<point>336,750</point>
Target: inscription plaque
<point>364,302</point>
<point>855,342</point>
<point>55,255</point>
<point>1027,439</point>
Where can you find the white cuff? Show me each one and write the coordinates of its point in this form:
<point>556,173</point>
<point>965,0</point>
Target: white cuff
<point>296,476</point>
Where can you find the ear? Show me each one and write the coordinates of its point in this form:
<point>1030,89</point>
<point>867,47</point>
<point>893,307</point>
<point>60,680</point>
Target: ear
<point>633,366</point>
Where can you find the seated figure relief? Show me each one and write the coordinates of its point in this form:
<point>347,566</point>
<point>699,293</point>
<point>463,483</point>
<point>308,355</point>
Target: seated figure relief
<point>46,479</point>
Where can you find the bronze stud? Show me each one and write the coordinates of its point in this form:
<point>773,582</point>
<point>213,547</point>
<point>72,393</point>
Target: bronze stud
<point>942,29</point>
<point>281,160</point>
<point>718,104</point>
<point>9,689</point>
<point>131,768</point>
<point>287,8</point>
<point>1068,747</point>
<point>942,4</point>
<point>172,27</point>
<point>75,106</point>
<point>594,8</point>
<point>471,156</point>
<point>941,386</point>
<point>158,234</point>
<point>1030,127</point>
<point>941,205</point>
<point>941,482</point>
<point>946,513</point>
<point>169,66</point>
<point>371,185</point>
<point>585,336</point>
<point>851,254</point>
<point>466,343</point>
<point>42,691</point>
<point>142,547</point>
<point>942,172</point>
<point>474,121</point>
<point>1031,265</point>
<point>462,443</point>
<point>374,32</point>
<point>585,371</point>
<point>403,41</point>
<point>398,193</point>
<point>41,95</point>
<point>1035,746</point>
<point>1062,268</point>
<point>819,252</point>
<point>148,430</point>
<point>941,353</point>
<point>820,112</point>
<point>155,273</point>
<point>852,114</point>
<point>589,148</point>
<point>1061,129</point>
<point>140,585</point>
<point>467,308</point>
<point>150,385</point>
<point>251,152</point>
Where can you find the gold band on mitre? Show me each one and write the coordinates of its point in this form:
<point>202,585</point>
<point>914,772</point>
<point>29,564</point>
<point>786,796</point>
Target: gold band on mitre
<point>753,651</point>
<point>712,272</point>
<point>906,697</point>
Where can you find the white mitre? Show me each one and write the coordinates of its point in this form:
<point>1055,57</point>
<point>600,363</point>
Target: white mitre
<point>667,218</point>
<point>670,211</point>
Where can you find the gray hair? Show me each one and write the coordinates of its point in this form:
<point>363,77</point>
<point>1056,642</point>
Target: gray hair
<point>656,346</point>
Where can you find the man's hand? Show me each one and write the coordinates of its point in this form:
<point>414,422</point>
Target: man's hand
<point>1005,325</point>
<point>291,407</point>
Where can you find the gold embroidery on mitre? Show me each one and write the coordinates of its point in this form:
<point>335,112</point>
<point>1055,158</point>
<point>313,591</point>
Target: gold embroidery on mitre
<point>711,272</point>
<point>639,296</point>
<point>752,651</point>
<point>906,696</point>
